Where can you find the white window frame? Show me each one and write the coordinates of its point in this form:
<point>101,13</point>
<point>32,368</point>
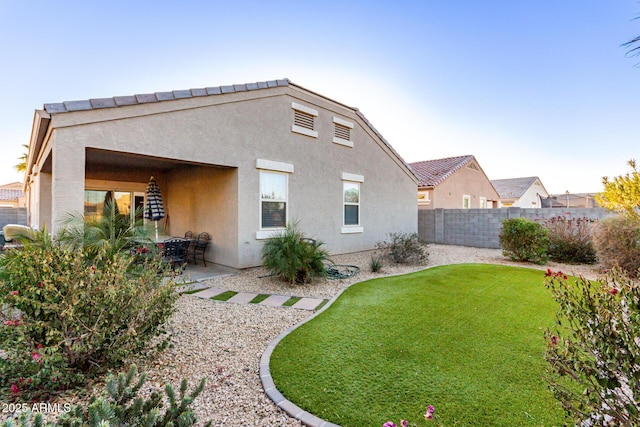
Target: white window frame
<point>302,130</point>
<point>483,203</point>
<point>340,141</point>
<point>465,198</point>
<point>352,179</point>
<point>424,200</point>
<point>272,167</point>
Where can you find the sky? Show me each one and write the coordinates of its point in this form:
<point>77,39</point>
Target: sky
<point>530,88</point>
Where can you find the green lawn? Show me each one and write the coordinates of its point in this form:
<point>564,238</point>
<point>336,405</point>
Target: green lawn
<point>467,339</point>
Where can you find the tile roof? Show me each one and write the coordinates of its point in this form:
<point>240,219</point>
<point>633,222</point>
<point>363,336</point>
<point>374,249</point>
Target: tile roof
<point>8,194</point>
<point>433,172</point>
<point>513,187</point>
<point>119,101</point>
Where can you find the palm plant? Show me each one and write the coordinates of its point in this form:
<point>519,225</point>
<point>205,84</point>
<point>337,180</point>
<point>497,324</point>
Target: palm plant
<point>294,258</point>
<point>22,165</point>
<point>105,236</point>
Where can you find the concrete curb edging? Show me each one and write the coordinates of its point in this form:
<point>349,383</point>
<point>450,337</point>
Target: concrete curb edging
<point>269,386</point>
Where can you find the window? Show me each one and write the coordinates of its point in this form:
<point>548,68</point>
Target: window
<point>351,203</point>
<point>342,132</point>
<point>304,120</point>
<point>95,200</point>
<point>273,199</point>
<point>351,192</point>
<point>483,202</point>
<point>423,198</point>
<point>466,202</point>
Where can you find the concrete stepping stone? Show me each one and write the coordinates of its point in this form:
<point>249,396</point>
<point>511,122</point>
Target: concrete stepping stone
<point>242,298</point>
<point>275,300</point>
<point>208,293</point>
<point>307,303</point>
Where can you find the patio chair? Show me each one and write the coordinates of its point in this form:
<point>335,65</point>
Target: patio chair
<point>200,248</point>
<point>175,252</point>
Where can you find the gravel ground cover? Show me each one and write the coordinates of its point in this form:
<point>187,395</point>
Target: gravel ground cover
<point>224,342</point>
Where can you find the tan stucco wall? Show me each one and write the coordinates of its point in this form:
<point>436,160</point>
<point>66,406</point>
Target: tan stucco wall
<point>205,200</point>
<point>224,131</point>
<point>472,182</point>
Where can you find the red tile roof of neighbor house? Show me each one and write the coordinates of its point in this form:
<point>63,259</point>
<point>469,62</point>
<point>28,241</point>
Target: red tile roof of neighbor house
<point>433,172</point>
<point>8,194</point>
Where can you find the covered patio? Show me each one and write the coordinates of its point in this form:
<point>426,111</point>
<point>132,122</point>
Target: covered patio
<point>197,197</point>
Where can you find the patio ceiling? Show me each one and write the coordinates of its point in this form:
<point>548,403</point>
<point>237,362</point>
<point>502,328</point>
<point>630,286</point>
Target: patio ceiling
<point>96,159</point>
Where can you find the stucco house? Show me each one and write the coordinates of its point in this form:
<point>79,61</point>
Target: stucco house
<point>454,183</point>
<point>238,162</point>
<point>12,195</point>
<point>526,192</point>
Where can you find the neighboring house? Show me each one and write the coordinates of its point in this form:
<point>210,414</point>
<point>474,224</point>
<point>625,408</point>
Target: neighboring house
<point>12,195</point>
<point>453,183</point>
<point>239,162</point>
<point>571,200</point>
<point>520,192</point>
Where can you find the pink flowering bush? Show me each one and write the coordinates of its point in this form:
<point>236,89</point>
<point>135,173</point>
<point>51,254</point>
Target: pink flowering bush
<point>593,349</point>
<point>65,320</point>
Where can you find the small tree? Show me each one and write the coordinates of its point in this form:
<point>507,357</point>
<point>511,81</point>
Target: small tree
<point>622,194</point>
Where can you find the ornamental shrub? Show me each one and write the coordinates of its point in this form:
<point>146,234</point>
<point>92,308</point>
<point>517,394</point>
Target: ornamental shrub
<point>594,364</point>
<point>293,257</point>
<point>570,240</point>
<point>617,243</point>
<point>64,320</point>
<point>524,240</point>
<point>404,248</point>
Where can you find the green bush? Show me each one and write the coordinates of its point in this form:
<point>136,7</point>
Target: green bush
<point>524,240</point>
<point>617,243</point>
<point>593,349</point>
<point>64,320</point>
<point>570,240</point>
<point>405,248</point>
<point>293,257</point>
<point>122,406</point>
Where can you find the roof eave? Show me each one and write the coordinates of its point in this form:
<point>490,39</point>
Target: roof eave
<point>41,120</point>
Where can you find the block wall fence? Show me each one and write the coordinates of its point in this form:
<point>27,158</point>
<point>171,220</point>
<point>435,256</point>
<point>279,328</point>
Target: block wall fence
<point>480,228</point>
<point>9,215</point>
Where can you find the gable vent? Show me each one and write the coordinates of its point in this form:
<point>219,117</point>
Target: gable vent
<point>342,132</point>
<point>304,120</point>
